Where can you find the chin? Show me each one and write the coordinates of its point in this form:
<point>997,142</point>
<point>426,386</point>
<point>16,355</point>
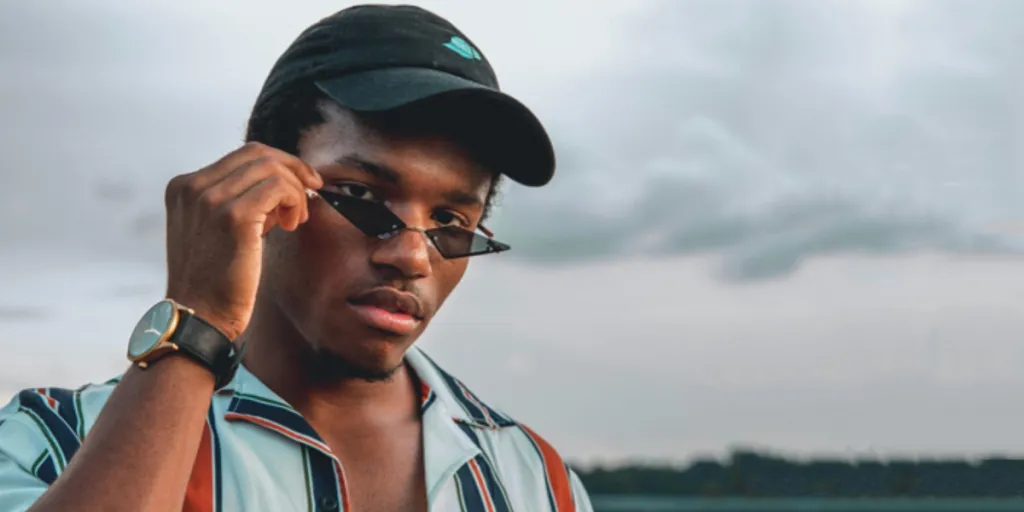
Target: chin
<point>372,356</point>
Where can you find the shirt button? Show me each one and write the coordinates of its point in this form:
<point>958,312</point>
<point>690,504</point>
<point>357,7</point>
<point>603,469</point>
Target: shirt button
<point>329,504</point>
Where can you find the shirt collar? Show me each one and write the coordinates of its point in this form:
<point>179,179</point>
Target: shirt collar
<point>438,386</point>
<point>254,402</point>
<point>449,411</point>
<point>461,403</point>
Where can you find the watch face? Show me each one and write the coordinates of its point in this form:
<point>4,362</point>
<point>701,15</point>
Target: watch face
<point>151,328</point>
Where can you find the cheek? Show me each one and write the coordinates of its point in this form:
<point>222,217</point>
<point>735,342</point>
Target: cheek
<point>315,262</point>
<point>448,274</point>
<point>330,253</point>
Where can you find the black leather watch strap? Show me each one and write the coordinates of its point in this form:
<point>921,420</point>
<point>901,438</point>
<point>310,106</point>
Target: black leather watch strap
<point>206,344</point>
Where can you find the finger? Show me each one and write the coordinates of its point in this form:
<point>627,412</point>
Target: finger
<point>288,217</point>
<point>271,221</point>
<point>223,167</point>
<point>256,206</point>
<point>306,174</point>
<point>282,216</point>
<point>249,174</point>
<point>237,170</point>
<point>227,164</point>
<point>309,177</point>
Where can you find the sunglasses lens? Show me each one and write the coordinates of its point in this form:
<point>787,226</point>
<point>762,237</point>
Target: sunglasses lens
<point>455,242</point>
<point>372,218</point>
<point>376,220</point>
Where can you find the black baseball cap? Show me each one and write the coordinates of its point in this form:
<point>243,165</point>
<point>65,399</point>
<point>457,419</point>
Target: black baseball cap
<point>381,57</point>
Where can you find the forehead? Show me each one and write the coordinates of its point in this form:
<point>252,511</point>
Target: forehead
<point>340,134</point>
<point>417,156</point>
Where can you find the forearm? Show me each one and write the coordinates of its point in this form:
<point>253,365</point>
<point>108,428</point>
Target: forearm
<point>140,452</point>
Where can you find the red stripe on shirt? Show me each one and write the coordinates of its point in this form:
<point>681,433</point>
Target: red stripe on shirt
<point>278,428</point>
<point>484,492</point>
<point>199,493</point>
<point>554,468</point>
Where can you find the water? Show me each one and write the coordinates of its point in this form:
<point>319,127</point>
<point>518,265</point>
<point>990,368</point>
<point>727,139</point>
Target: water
<point>674,504</point>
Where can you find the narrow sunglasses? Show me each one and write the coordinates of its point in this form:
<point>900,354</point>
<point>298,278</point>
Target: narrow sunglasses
<point>376,220</point>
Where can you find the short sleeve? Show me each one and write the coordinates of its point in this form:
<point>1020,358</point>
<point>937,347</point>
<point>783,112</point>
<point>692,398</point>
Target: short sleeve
<point>579,493</point>
<point>19,488</point>
<point>41,429</point>
<point>27,458</point>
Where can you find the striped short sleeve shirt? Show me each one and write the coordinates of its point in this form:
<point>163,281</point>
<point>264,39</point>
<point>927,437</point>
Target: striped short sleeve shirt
<point>258,454</point>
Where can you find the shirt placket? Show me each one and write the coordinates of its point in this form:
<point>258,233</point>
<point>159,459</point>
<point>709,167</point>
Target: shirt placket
<point>326,485</point>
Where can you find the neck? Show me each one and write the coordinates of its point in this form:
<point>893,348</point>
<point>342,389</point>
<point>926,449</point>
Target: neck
<point>278,355</point>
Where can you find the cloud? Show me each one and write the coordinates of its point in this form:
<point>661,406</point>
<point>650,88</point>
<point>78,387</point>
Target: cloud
<point>771,132</point>
<point>655,358</point>
<point>10,314</point>
<point>104,103</point>
<point>767,132</point>
<point>98,116</point>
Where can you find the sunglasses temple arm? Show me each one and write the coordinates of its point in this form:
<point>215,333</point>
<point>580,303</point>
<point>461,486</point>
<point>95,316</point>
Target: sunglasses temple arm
<point>486,231</point>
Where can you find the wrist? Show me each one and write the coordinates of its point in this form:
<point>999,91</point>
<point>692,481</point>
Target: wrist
<point>180,368</point>
<point>228,324</point>
<point>171,328</point>
<point>231,328</point>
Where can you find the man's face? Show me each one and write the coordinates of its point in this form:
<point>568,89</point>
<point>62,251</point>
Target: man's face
<point>335,284</point>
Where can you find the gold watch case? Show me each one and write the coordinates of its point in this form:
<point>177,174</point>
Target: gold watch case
<point>150,340</point>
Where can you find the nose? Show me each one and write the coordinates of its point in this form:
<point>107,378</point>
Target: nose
<point>406,253</point>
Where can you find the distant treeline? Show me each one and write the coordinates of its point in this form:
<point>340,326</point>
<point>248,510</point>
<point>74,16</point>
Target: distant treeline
<point>750,474</point>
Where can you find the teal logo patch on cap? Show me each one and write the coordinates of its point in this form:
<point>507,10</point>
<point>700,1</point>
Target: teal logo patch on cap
<point>463,48</point>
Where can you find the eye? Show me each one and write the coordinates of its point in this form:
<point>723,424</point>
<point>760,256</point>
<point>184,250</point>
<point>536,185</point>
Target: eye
<point>450,218</point>
<point>356,190</point>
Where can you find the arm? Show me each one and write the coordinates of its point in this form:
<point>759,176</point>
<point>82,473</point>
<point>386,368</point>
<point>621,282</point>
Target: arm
<point>140,452</point>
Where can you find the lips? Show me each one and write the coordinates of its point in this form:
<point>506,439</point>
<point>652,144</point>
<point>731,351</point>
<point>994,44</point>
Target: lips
<point>391,300</point>
<point>389,310</point>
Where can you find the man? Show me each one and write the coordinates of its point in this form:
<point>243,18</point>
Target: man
<point>280,372</point>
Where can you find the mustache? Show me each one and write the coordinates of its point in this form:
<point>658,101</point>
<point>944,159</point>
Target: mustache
<point>394,296</point>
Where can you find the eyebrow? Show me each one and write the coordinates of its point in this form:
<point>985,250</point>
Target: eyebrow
<point>462,198</point>
<point>391,176</point>
<point>379,171</point>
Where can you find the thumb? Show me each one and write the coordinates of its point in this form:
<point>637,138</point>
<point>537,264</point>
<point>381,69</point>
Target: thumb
<point>272,219</point>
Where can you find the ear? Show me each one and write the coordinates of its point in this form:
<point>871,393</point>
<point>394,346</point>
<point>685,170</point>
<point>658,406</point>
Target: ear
<point>493,195</point>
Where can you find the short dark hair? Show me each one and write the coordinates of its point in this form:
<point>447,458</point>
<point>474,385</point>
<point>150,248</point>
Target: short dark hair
<point>281,121</point>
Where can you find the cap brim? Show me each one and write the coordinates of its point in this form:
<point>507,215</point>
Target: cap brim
<point>526,153</point>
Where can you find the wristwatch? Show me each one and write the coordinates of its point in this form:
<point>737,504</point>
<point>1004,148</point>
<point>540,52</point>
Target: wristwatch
<point>169,327</point>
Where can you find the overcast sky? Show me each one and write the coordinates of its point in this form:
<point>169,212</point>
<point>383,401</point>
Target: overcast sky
<point>788,224</point>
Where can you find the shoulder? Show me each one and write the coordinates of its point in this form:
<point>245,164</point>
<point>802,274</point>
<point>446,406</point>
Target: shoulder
<point>510,448</point>
<point>48,407</point>
<point>523,456</point>
<point>42,428</point>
